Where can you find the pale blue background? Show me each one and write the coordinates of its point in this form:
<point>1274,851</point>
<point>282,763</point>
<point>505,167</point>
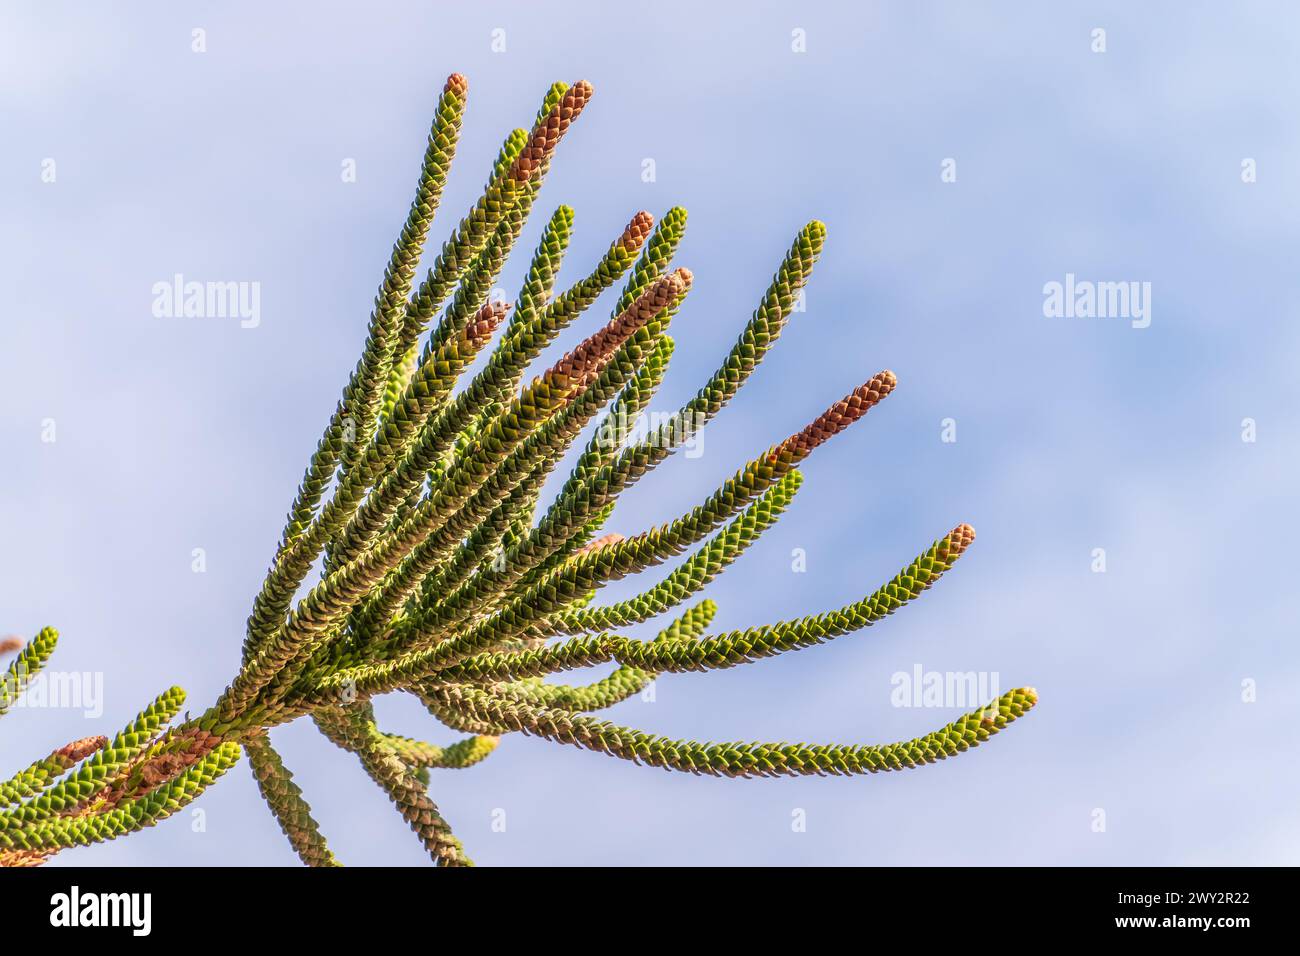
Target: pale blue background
<point>1072,434</point>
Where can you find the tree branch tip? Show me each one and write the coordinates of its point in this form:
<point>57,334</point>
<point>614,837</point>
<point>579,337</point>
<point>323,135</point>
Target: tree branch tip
<point>456,84</point>
<point>636,232</point>
<point>956,542</point>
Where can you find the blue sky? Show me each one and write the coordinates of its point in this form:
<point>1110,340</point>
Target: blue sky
<point>1072,433</point>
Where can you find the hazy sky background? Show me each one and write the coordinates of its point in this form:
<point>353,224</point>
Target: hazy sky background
<point>1072,434</point>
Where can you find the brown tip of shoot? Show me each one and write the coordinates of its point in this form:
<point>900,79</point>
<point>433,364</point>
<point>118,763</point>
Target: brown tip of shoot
<point>957,541</point>
<point>634,236</point>
<point>593,353</point>
<point>486,320</point>
<point>575,100</point>
<point>10,643</point>
<point>457,84</point>
<point>841,415</point>
<point>83,748</point>
<point>547,133</point>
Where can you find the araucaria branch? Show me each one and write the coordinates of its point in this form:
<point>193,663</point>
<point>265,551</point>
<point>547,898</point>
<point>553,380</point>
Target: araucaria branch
<point>439,575</point>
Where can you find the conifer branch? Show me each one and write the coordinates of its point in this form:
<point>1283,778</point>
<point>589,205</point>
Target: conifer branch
<point>381,760</point>
<point>284,797</point>
<point>737,759</point>
<point>427,566</point>
<point>458,756</point>
<point>31,658</point>
<point>397,279</point>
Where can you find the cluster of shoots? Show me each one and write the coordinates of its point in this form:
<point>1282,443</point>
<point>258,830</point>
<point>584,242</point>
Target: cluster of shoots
<point>419,557</point>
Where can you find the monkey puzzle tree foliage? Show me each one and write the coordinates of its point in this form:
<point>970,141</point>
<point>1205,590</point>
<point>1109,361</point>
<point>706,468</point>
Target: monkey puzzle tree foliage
<point>438,574</point>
